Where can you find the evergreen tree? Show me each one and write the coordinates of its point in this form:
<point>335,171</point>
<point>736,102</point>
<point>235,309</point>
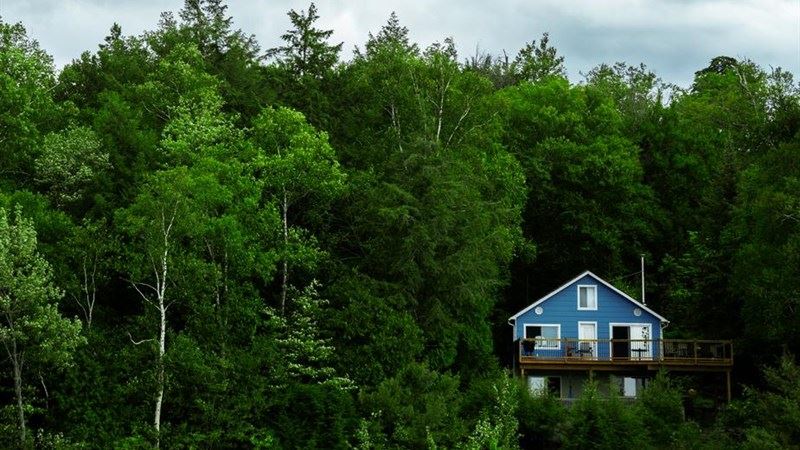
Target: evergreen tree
<point>307,52</point>
<point>307,354</point>
<point>306,66</point>
<point>391,36</point>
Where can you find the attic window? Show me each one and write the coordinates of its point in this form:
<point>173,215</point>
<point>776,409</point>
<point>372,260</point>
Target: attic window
<point>587,298</point>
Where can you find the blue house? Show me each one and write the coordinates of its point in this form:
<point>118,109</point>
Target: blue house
<point>587,327</point>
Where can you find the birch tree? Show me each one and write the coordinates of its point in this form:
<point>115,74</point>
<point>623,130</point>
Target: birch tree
<point>32,331</point>
<point>295,163</point>
<point>154,223</point>
<point>91,249</point>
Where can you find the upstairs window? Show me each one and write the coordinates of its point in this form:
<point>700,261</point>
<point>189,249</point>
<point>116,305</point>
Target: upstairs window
<point>587,297</point>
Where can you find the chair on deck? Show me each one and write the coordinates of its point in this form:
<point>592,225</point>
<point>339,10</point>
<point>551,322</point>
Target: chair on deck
<point>528,347</point>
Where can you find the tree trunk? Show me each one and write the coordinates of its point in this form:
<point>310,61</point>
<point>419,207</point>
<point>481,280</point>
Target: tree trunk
<point>160,369</point>
<point>285,250</point>
<point>162,326</point>
<point>17,362</point>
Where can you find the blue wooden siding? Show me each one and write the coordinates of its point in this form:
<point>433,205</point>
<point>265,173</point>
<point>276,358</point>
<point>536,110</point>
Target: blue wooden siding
<point>562,308</point>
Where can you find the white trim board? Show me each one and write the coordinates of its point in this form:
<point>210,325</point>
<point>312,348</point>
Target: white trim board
<point>604,282</point>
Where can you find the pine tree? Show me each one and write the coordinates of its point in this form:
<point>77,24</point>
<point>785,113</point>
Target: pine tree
<point>307,355</point>
<point>307,52</point>
<point>392,35</point>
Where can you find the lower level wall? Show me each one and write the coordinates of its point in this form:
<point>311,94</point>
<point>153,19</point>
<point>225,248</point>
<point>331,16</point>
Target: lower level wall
<point>570,385</point>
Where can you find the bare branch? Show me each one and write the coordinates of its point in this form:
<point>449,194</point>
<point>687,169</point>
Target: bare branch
<point>142,294</point>
<point>80,304</point>
<point>139,342</point>
<point>458,124</point>
<point>44,386</point>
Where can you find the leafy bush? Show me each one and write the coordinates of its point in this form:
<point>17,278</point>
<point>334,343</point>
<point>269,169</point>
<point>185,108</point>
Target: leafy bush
<point>662,410</point>
<point>603,423</point>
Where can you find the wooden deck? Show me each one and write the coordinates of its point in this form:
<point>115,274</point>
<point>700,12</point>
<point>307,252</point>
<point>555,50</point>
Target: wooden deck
<point>625,354</point>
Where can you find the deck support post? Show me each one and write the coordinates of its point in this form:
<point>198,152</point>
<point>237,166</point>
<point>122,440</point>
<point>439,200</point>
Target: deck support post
<point>728,384</point>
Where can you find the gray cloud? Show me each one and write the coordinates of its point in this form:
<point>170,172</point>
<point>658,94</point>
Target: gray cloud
<point>674,38</point>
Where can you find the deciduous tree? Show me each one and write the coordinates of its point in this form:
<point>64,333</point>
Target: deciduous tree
<point>33,332</point>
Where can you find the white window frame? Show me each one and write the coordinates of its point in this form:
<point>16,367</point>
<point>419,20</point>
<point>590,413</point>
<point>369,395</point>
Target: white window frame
<point>595,341</point>
<point>543,380</point>
<point>611,326</point>
<point>596,301</point>
<point>539,343</point>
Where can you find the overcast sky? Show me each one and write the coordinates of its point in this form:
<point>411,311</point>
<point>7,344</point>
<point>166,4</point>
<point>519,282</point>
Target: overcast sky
<point>672,37</point>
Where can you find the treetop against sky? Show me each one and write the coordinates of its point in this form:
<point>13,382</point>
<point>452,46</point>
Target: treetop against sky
<point>673,38</point>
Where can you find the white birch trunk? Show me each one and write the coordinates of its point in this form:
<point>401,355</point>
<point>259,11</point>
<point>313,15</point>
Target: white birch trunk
<point>160,271</point>
<point>160,375</point>
<point>162,327</point>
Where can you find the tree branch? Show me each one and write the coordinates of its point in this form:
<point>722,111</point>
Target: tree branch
<point>139,342</point>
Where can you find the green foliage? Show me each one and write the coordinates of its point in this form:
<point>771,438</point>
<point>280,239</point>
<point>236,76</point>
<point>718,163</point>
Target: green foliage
<point>393,37</point>
<point>34,334</point>
<point>70,163</point>
<point>542,418</point>
<point>662,410</point>
<point>599,422</point>
<point>538,62</point>
<point>587,203</point>
<point>306,353</point>
<point>429,197</point>
<point>497,426</point>
<point>294,157</point>
<point>26,77</point>
<point>416,406</point>
<point>306,52</point>
<point>769,418</point>
<point>28,298</point>
<point>306,65</point>
<point>767,223</point>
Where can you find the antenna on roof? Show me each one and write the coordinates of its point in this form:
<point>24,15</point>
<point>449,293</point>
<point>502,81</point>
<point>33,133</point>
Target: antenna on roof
<point>643,302</point>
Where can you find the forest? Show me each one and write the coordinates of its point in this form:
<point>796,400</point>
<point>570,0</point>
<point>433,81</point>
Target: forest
<point>209,244</point>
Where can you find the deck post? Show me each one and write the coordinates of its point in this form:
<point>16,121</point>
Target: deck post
<point>728,383</point>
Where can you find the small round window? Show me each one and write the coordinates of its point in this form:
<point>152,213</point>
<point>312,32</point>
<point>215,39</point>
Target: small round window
<point>539,310</point>
<point>637,312</point>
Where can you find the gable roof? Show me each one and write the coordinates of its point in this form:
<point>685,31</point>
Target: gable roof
<point>604,282</point>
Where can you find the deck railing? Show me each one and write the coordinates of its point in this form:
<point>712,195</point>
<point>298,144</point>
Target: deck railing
<point>677,351</point>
